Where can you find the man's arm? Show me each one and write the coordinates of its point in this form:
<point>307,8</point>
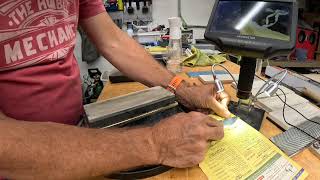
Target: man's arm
<point>134,61</point>
<point>124,52</point>
<point>30,150</point>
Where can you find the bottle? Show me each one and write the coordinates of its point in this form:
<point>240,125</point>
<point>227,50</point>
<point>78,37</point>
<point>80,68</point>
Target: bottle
<point>130,29</point>
<point>175,46</point>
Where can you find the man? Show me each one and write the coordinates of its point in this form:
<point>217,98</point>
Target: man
<point>41,97</point>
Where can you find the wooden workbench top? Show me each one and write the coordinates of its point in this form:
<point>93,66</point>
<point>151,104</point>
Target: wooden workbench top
<point>305,158</point>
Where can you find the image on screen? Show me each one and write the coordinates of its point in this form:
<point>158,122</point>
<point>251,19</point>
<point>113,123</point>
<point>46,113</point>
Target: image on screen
<point>254,18</point>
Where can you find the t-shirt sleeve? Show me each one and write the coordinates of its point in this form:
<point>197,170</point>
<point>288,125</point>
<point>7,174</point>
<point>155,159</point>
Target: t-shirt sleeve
<point>89,8</point>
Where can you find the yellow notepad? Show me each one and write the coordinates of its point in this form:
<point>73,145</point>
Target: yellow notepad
<point>245,153</point>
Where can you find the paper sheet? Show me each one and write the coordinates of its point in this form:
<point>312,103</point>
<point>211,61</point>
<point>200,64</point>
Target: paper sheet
<point>244,153</point>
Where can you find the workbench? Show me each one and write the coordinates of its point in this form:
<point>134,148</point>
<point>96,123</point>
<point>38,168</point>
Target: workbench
<point>305,158</point>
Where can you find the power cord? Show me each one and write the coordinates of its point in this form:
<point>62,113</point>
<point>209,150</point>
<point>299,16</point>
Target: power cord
<point>284,72</point>
<point>214,74</point>
<point>285,104</point>
<point>297,110</point>
<point>256,96</point>
<point>284,117</point>
<point>284,101</point>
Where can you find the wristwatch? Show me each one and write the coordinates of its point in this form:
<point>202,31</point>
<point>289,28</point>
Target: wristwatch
<point>174,84</point>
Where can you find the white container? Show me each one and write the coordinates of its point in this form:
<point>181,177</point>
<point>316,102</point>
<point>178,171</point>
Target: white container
<point>104,77</point>
<point>175,24</point>
<point>175,46</point>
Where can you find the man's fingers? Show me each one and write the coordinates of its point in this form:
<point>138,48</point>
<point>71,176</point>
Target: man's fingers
<point>213,129</point>
<point>225,102</point>
<point>224,98</point>
<point>213,123</point>
<point>214,133</point>
<point>220,109</point>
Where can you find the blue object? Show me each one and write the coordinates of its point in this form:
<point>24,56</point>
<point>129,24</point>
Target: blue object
<point>301,54</point>
<point>111,7</point>
<point>197,74</point>
<point>230,121</point>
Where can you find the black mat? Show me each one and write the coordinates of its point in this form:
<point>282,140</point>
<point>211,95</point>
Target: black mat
<point>254,117</point>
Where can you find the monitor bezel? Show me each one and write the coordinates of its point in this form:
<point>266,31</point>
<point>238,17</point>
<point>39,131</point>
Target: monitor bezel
<point>253,46</point>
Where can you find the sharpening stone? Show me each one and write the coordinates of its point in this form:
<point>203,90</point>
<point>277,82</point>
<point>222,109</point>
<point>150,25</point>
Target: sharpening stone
<point>132,107</point>
<point>307,109</point>
<point>274,103</point>
<point>225,78</point>
<point>293,140</point>
<point>198,73</point>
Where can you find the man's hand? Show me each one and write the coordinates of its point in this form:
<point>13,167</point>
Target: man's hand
<point>204,97</point>
<point>182,140</point>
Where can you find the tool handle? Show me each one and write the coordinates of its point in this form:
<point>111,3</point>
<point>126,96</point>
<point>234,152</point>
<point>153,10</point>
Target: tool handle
<point>138,4</point>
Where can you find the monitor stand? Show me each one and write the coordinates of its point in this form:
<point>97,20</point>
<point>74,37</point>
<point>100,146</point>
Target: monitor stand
<point>251,115</point>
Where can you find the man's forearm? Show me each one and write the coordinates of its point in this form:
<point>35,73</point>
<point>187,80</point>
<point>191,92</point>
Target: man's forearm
<point>134,61</point>
<point>54,151</point>
<point>124,52</point>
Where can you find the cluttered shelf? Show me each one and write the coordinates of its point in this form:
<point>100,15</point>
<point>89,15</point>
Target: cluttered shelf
<point>305,158</point>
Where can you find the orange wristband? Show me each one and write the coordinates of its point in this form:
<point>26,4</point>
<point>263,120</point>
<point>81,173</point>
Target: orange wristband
<point>174,84</point>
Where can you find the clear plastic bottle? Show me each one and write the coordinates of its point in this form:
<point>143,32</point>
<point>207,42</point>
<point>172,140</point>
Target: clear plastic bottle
<point>130,29</point>
<point>175,46</point>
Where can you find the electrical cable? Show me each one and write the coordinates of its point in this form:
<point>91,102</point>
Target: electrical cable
<point>259,92</point>
<point>214,74</point>
<point>285,120</point>
<point>283,101</point>
<point>269,81</point>
<point>296,109</point>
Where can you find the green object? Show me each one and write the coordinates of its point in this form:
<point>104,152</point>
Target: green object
<point>246,101</point>
<point>201,59</point>
<point>253,29</point>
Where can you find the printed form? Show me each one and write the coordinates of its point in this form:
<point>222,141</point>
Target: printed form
<point>245,153</point>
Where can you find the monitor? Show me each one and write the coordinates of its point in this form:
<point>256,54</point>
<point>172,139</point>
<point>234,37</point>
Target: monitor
<point>258,29</point>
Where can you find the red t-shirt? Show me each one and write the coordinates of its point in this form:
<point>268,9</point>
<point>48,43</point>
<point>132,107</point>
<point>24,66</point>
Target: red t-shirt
<point>39,75</point>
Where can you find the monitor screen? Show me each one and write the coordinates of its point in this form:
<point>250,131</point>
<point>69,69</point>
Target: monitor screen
<point>270,20</point>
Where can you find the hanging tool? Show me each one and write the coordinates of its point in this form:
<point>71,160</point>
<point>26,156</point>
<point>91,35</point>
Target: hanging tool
<point>130,8</point>
<point>138,4</point>
<point>145,8</point>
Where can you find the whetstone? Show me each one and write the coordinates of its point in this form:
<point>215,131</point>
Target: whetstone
<point>116,110</point>
<point>274,103</point>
